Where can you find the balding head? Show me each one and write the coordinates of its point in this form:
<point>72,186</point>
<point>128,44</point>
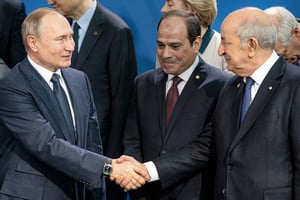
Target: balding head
<point>252,22</point>
<point>248,39</point>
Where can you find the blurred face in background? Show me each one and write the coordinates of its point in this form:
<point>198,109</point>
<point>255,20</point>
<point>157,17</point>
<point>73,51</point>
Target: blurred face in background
<point>293,49</point>
<point>71,8</point>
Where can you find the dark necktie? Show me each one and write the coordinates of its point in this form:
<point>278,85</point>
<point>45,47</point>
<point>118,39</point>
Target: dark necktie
<point>62,100</point>
<point>247,97</point>
<point>76,27</point>
<point>172,97</point>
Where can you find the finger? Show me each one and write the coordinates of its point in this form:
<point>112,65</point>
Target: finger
<point>119,179</point>
<point>130,186</point>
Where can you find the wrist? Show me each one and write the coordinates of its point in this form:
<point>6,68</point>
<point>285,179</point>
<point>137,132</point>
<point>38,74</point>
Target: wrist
<point>107,168</point>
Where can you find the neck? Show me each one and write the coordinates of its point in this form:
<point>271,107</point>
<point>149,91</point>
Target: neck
<point>82,8</point>
<point>203,30</point>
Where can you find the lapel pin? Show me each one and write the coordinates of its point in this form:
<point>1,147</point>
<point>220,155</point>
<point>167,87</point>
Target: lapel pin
<point>270,88</point>
<point>238,85</point>
<point>95,33</point>
<point>197,77</point>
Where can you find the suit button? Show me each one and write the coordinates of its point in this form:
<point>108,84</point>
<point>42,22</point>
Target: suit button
<point>163,152</point>
<point>224,191</point>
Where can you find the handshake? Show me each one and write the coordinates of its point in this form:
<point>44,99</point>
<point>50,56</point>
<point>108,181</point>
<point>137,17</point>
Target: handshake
<point>129,173</point>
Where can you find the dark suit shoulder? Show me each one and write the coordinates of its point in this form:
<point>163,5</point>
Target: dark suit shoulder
<point>11,6</point>
<point>153,75</point>
<point>111,18</point>
<point>212,71</point>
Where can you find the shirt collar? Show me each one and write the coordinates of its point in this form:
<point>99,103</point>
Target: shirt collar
<point>85,19</point>
<point>45,73</point>
<point>259,75</point>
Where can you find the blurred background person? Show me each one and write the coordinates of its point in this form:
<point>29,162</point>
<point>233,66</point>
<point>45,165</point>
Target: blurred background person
<point>105,52</point>
<point>293,50</point>
<point>287,29</point>
<point>12,15</point>
<point>206,11</point>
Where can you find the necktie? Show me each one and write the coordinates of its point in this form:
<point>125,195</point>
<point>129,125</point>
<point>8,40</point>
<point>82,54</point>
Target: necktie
<point>76,27</point>
<point>172,97</point>
<point>247,97</point>
<point>62,100</point>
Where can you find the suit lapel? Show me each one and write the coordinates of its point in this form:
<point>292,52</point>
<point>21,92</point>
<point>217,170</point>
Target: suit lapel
<point>160,85</point>
<point>236,106</point>
<point>46,97</point>
<point>267,89</point>
<point>196,79</point>
<point>92,35</point>
<point>74,95</point>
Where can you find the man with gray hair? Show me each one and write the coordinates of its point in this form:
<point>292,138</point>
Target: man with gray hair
<point>293,50</point>
<point>284,22</point>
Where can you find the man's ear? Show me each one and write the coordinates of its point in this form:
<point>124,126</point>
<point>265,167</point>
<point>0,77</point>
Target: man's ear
<point>295,32</point>
<point>197,43</point>
<point>252,46</point>
<point>32,43</point>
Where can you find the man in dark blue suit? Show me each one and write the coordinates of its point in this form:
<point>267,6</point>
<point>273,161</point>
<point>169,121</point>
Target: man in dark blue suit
<point>42,156</point>
<point>149,132</point>
<point>106,54</point>
<point>12,14</point>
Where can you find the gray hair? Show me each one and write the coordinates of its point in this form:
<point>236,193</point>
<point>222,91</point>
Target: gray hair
<point>260,28</point>
<point>284,21</point>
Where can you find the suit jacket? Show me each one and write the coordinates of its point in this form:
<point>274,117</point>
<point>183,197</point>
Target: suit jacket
<point>259,159</point>
<point>38,155</point>
<point>146,136</point>
<point>107,56</point>
<point>12,15</point>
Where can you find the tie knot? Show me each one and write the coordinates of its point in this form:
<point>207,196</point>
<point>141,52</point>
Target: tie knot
<point>249,82</point>
<point>55,78</point>
<point>176,80</point>
<point>76,26</point>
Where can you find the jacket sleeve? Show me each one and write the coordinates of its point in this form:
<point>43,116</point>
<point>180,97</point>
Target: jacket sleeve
<point>186,161</point>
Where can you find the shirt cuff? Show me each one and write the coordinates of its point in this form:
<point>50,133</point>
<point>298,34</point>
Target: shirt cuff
<point>152,171</point>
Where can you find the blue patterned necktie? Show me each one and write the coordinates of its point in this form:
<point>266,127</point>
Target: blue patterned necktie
<point>76,28</point>
<point>247,97</point>
<point>62,100</point>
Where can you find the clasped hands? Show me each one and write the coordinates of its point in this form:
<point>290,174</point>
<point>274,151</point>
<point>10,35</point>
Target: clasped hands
<point>129,173</point>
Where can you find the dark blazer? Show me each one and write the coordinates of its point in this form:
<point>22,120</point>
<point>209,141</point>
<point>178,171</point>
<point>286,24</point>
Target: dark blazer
<point>38,155</point>
<point>12,15</point>
<point>146,136</point>
<point>107,56</point>
<point>260,159</point>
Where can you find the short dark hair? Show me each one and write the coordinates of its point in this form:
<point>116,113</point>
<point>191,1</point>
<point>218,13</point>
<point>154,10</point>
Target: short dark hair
<point>192,23</point>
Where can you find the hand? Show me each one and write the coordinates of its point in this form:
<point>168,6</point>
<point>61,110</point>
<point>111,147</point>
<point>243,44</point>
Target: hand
<point>129,173</point>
